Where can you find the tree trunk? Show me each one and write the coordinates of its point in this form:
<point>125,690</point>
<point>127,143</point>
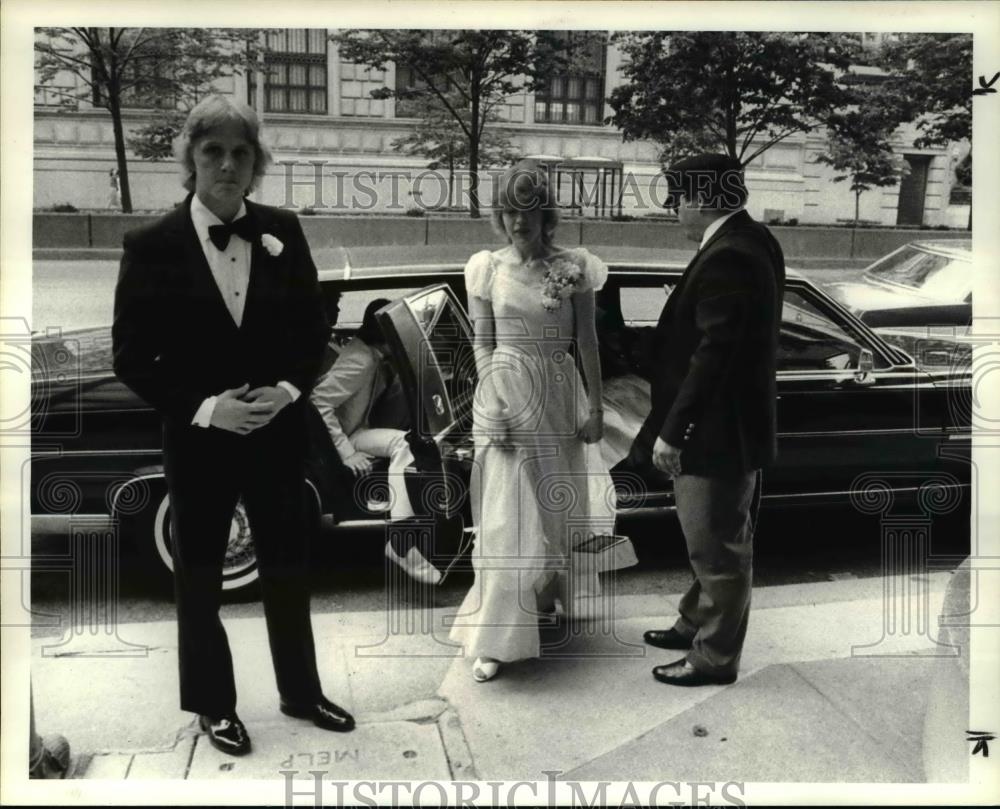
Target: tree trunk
<point>474,147</point>
<point>857,216</point>
<point>451,178</point>
<point>114,107</point>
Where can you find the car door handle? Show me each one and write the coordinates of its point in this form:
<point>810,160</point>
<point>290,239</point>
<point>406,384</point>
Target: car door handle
<point>438,403</point>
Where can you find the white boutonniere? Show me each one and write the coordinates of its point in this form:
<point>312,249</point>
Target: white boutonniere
<point>272,244</point>
<point>561,279</point>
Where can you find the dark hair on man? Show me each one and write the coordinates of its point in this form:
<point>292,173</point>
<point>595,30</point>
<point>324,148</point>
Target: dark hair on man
<point>717,180</point>
<point>331,303</point>
<point>369,332</point>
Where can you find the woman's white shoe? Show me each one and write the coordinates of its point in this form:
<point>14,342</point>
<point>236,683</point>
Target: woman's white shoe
<point>485,668</point>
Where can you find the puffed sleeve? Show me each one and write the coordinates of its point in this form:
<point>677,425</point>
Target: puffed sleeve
<point>595,271</point>
<point>479,275</point>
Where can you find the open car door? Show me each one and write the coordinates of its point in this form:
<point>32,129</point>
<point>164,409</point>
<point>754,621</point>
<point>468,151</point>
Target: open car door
<point>430,338</point>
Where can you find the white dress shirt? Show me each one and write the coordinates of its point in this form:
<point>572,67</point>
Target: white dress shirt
<point>231,271</point>
<point>712,228</point>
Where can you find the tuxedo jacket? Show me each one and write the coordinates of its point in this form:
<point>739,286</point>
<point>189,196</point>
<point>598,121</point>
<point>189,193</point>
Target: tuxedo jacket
<point>714,354</point>
<point>175,342</point>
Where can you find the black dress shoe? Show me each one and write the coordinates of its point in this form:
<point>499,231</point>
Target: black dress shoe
<point>227,734</point>
<point>323,713</point>
<point>666,639</point>
<point>681,672</point>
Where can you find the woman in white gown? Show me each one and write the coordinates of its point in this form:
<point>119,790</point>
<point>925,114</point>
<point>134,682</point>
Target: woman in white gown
<point>539,486</point>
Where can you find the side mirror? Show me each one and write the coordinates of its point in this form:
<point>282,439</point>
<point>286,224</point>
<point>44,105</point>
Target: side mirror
<point>864,374</point>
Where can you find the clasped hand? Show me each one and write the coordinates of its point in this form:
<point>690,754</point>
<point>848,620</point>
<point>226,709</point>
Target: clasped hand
<point>241,410</point>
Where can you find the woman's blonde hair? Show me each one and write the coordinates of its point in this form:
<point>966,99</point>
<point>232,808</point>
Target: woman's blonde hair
<point>209,113</point>
<point>525,186</point>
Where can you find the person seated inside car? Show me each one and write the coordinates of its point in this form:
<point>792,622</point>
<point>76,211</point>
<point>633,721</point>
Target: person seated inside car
<point>361,403</point>
<point>625,391</point>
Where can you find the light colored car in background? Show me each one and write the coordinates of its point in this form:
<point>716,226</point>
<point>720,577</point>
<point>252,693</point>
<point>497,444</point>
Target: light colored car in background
<point>919,298</point>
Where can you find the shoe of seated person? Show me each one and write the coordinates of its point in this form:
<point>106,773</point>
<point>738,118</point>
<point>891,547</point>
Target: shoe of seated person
<point>414,565</point>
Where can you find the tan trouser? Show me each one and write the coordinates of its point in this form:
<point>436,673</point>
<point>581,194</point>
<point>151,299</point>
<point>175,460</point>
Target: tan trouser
<point>717,516</point>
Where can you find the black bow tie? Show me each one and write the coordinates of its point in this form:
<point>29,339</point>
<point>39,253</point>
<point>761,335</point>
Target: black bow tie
<point>242,227</point>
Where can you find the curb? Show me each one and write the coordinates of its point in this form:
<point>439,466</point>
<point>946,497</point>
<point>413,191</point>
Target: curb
<point>115,254</point>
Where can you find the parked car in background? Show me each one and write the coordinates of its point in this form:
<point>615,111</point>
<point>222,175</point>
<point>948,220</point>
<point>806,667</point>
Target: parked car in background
<point>856,415</point>
<point>919,298</point>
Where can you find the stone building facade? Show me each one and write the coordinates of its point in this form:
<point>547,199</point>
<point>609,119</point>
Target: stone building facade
<point>332,145</point>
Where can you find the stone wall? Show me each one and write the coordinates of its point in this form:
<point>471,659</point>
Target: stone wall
<point>52,230</point>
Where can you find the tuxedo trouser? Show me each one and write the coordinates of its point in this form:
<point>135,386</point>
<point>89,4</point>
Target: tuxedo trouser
<point>717,516</point>
<point>206,475</point>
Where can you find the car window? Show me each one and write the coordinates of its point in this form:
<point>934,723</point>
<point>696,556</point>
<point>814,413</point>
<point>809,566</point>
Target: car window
<point>641,305</point>
<point>951,281</point>
<point>444,362</point>
<point>811,340</point>
<point>931,274</point>
<point>352,304</point>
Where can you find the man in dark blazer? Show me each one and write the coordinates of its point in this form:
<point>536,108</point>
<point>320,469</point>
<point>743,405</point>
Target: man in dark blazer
<point>712,422</point>
<point>219,325</point>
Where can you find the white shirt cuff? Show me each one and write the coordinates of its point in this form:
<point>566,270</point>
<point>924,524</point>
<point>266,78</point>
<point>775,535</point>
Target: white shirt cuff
<point>203,416</point>
<point>293,391</point>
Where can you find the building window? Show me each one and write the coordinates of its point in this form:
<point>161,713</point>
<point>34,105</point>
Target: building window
<point>294,71</point>
<point>406,79</point>
<point>577,96</point>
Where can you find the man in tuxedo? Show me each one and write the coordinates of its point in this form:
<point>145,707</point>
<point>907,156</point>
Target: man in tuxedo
<point>219,325</point>
<point>711,425</point>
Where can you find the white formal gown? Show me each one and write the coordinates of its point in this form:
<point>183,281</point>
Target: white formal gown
<point>542,490</point>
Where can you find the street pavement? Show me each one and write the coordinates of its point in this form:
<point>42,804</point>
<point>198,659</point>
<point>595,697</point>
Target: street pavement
<point>835,686</point>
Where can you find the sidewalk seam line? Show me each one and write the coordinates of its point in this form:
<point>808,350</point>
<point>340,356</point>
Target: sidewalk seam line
<point>892,754</point>
<point>190,760</point>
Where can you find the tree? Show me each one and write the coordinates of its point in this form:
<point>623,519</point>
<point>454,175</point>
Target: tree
<point>439,138</point>
<point>858,145</point>
<point>469,73</point>
<point>738,93</point>
<point>159,68</point>
<point>934,71</point>
<point>155,140</point>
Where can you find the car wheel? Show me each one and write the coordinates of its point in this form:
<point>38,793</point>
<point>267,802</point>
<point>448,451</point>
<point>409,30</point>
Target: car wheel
<point>240,572</point>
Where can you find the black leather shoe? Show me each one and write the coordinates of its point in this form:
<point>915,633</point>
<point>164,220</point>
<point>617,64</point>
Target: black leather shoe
<point>323,713</point>
<point>680,672</point>
<point>226,734</point>
<point>666,639</point>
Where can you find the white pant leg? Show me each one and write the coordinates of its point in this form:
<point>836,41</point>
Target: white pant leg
<point>384,442</point>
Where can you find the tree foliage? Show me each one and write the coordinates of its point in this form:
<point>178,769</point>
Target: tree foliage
<point>859,143</point>
<point>467,73</point>
<point>732,92</point>
<point>155,68</point>
<point>438,138</point>
<point>934,72</point>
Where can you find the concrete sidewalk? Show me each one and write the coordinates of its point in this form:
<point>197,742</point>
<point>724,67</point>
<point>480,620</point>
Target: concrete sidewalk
<point>827,693</point>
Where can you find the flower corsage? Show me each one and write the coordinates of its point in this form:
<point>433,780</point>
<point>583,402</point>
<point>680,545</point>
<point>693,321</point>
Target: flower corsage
<point>272,244</point>
<point>560,280</point>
